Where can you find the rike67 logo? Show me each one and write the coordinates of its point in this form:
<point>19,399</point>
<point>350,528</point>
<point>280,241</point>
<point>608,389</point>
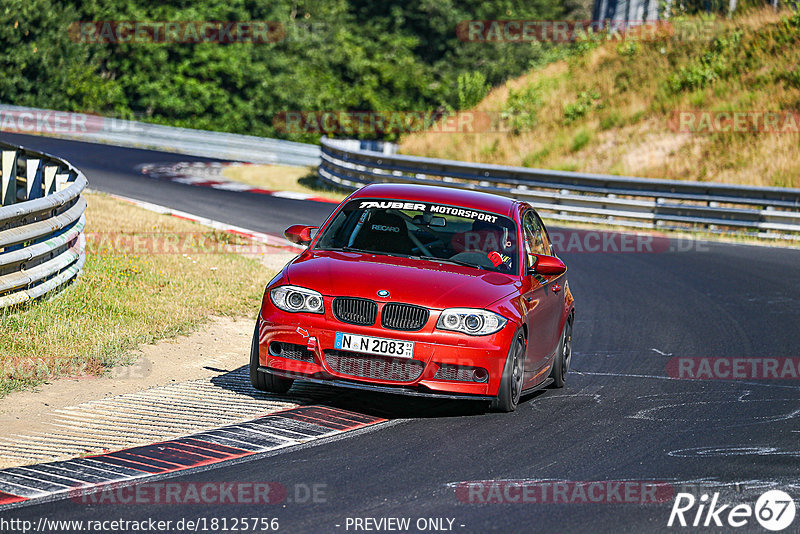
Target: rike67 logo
<point>774,510</point>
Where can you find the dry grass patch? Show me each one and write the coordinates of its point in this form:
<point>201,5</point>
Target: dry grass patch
<point>283,178</point>
<point>128,295</point>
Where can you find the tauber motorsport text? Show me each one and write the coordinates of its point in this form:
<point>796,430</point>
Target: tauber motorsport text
<point>433,208</point>
<point>774,510</point>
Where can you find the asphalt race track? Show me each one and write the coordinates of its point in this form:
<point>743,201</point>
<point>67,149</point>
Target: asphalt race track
<point>113,170</point>
<point>620,417</point>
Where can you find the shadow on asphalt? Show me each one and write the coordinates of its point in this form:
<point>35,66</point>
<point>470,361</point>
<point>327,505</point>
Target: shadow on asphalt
<point>385,405</point>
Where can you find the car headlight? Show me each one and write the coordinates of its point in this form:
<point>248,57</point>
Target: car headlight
<point>297,299</point>
<point>471,321</point>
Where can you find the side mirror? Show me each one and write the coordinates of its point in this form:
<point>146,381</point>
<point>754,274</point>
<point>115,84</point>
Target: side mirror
<point>300,234</point>
<point>548,265</point>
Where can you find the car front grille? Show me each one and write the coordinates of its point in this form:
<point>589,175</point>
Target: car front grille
<point>291,351</point>
<point>355,311</point>
<point>378,367</point>
<point>403,317</point>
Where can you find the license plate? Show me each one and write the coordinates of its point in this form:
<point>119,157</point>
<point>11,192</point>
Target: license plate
<point>374,345</point>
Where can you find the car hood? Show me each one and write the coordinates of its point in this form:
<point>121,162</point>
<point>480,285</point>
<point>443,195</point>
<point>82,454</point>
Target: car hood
<point>421,282</point>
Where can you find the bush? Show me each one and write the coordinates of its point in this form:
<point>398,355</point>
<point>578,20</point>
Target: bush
<point>587,100</point>
<point>716,63</point>
<point>519,112</point>
<point>472,87</point>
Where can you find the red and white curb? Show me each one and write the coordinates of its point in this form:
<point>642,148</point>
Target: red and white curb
<point>260,237</point>
<point>80,476</point>
<point>204,174</point>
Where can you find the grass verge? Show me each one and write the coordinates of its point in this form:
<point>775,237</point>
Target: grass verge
<point>124,298</point>
<point>284,178</point>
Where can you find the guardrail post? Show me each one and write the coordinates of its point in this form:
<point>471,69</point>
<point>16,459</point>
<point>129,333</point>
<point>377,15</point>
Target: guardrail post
<point>61,180</point>
<point>49,179</point>
<point>33,174</point>
<point>8,178</point>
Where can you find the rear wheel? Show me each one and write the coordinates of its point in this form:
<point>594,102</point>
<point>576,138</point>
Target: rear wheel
<point>563,356</point>
<point>265,381</point>
<point>511,383</point>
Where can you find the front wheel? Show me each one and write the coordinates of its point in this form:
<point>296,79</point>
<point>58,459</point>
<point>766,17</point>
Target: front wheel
<point>265,381</point>
<point>511,384</point>
<point>563,356</point>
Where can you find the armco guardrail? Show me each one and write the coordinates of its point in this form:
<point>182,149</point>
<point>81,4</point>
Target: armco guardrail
<point>118,132</point>
<point>578,197</point>
<point>42,246</point>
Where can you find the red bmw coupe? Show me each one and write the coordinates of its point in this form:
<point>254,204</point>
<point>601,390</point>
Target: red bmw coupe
<point>419,290</point>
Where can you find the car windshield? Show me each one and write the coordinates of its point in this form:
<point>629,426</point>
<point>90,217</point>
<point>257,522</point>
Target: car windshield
<point>425,231</point>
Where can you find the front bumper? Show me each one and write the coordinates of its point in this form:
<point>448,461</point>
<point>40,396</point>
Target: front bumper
<point>365,386</point>
<point>433,348</point>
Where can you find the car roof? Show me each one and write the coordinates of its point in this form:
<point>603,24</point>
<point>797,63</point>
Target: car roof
<point>442,195</point>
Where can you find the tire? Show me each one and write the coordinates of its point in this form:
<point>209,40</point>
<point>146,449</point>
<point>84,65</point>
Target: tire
<point>563,356</point>
<point>265,381</point>
<point>511,383</point>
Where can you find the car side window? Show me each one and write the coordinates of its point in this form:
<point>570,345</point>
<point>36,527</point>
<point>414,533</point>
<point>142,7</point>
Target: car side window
<point>534,239</point>
<point>545,235</point>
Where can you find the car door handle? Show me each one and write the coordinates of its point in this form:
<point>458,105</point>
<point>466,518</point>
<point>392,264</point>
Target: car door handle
<point>556,288</point>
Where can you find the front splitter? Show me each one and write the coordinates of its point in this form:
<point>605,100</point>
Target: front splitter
<point>395,390</point>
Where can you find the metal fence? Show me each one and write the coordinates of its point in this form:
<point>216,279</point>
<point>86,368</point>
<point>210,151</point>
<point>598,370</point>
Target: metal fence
<point>581,197</point>
<point>41,224</point>
<point>118,132</point>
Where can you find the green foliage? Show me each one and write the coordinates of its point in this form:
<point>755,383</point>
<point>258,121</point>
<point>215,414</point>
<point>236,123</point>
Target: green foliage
<point>337,55</point>
<point>569,166</point>
<point>587,100</point>
<point>628,48</point>
<point>611,120</point>
<point>714,64</point>
<point>622,80</point>
<point>580,140</point>
<point>531,160</point>
<point>790,77</point>
<point>491,149</point>
<point>794,20</point>
<point>41,65</point>
<point>519,112</point>
<point>472,88</point>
